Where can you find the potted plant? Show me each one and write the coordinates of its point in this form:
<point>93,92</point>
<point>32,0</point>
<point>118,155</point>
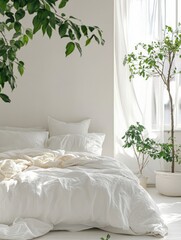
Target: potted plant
<point>143,147</point>
<point>157,59</point>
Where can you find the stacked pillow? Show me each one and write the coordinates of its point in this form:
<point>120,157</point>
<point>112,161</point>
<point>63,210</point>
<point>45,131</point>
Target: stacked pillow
<point>20,138</point>
<point>56,127</point>
<point>74,137</point>
<point>90,142</point>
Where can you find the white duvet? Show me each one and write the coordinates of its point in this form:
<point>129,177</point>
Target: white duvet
<point>46,190</point>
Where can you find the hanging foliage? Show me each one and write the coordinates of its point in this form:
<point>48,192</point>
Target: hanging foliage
<point>47,16</point>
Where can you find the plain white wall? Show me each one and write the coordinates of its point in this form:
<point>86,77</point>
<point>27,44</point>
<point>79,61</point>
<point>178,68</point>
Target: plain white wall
<point>69,89</point>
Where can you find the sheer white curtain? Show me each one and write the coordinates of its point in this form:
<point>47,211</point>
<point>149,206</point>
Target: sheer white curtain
<point>137,101</point>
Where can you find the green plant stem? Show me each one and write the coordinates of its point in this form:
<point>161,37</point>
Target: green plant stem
<point>137,159</point>
<point>5,39</point>
<point>146,161</point>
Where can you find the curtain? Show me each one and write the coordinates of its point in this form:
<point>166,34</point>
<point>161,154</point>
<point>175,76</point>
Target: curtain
<point>139,100</point>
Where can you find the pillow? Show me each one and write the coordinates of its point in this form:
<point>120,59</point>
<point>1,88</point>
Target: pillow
<point>91,142</point>
<point>13,140</point>
<point>62,128</point>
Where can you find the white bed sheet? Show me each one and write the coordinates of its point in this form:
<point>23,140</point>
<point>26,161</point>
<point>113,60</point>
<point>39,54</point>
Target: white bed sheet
<point>90,192</point>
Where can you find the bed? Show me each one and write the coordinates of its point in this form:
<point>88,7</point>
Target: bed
<point>43,189</point>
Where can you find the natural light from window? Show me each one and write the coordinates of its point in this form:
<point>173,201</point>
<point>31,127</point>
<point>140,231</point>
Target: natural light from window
<point>172,18</point>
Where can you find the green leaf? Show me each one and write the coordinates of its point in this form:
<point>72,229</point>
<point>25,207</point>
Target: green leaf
<point>53,21</point>
<point>3,4</point>
<point>71,35</point>
<point>2,43</point>
<point>88,41</point>
<point>18,44</point>
<point>12,80</point>
<point>45,25</point>
<point>69,48</point>
<point>33,6</point>
<point>76,29</point>
<point>5,98</point>
<point>1,81</point>
<point>10,27</point>
<point>102,41</point>
<point>2,52</point>
<point>96,38</point>
<point>91,29</point>
<point>100,33</point>
<point>25,39</point>
<point>9,14</point>
<point>30,8</point>
<point>108,237</point>
<point>49,31</point>
<point>23,3</point>
<point>17,26</point>
<point>79,48</point>
<point>11,55</point>
<point>21,67</point>
<point>10,20</point>
<point>84,30</point>
<point>19,14</point>
<point>37,24</point>
<point>17,34</point>
<point>169,29</point>
<point>63,29</point>
<point>63,3</point>
<point>16,5</point>
<point>2,27</point>
<point>160,56</point>
<point>29,33</point>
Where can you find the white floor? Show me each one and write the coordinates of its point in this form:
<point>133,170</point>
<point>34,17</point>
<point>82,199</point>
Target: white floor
<point>171,211</point>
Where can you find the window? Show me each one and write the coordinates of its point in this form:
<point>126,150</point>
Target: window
<point>172,18</point>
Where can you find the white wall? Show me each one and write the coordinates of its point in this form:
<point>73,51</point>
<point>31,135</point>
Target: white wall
<point>69,89</point>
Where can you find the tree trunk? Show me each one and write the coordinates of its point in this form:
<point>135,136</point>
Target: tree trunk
<point>172,131</point>
<point>171,59</point>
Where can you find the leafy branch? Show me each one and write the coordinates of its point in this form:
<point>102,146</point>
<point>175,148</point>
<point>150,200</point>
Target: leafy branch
<point>46,17</point>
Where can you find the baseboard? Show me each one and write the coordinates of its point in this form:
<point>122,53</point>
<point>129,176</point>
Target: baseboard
<point>151,185</point>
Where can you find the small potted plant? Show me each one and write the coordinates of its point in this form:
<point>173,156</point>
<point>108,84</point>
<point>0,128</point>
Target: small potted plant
<point>143,147</point>
<point>156,59</point>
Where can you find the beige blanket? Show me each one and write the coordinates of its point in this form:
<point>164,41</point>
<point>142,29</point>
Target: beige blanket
<point>10,167</point>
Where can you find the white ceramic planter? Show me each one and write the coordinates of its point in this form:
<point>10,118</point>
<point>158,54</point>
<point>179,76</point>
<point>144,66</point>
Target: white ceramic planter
<point>168,183</point>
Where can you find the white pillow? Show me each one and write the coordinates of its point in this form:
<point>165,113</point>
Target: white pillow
<point>13,140</point>
<point>61,128</point>
<point>91,142</point>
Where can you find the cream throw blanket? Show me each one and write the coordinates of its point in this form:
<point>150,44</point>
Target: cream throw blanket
<point>10,167</point>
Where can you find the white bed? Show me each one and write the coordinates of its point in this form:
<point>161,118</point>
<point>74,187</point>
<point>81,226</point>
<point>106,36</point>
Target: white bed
<point>72,192</point>
<point>43,190</point>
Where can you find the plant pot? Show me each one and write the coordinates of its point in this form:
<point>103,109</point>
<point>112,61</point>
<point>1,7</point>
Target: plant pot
<point>143,181</point>
<point>168,183</point>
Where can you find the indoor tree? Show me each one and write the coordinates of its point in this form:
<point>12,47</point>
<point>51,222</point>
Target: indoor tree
<point>158,59</point>
<point>46,16</point>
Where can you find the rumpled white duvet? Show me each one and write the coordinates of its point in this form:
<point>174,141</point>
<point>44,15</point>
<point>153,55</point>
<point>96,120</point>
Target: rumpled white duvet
<point>49,190</point>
